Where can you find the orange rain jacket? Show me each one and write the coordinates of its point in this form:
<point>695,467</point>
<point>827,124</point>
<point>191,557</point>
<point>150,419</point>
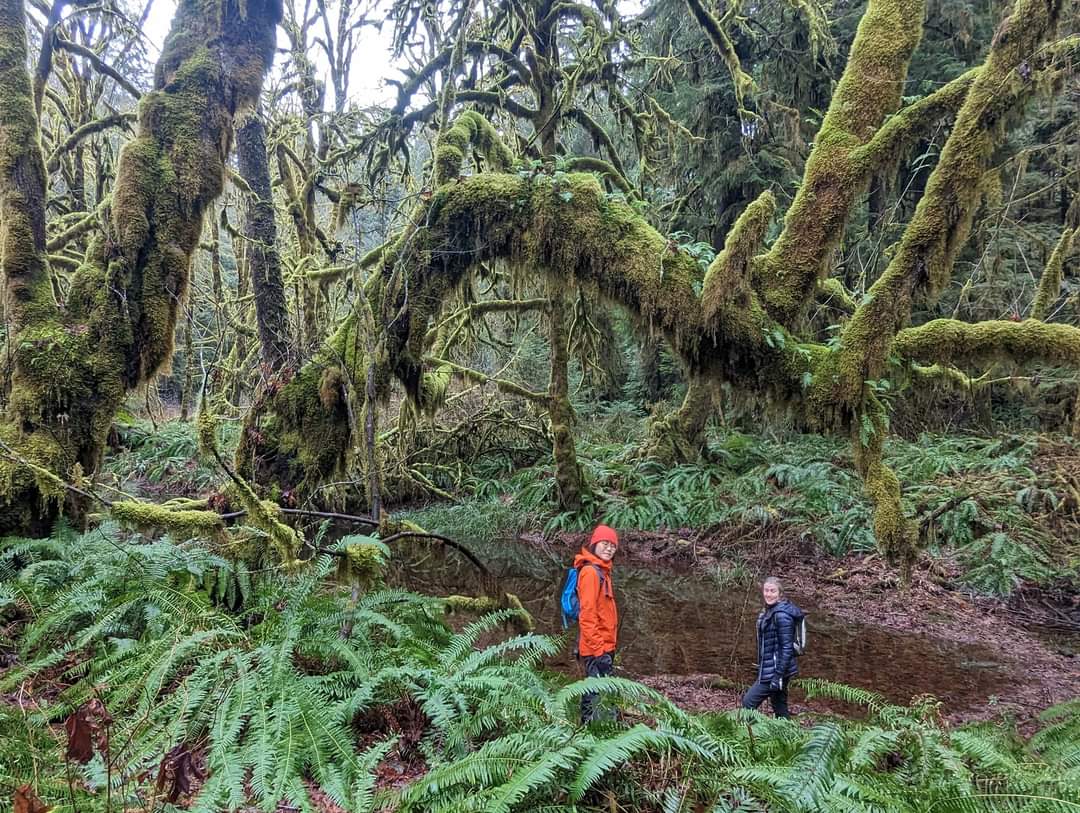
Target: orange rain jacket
<point>599,619</point>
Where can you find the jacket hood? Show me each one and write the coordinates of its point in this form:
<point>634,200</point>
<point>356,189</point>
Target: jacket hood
<point>784,606</point>
<point>586,557</point>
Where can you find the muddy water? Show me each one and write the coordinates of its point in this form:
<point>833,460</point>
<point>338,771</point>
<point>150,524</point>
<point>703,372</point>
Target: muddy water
<point>678,624</point>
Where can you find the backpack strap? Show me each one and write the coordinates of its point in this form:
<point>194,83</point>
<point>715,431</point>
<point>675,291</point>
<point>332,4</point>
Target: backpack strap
<point>600,575</point>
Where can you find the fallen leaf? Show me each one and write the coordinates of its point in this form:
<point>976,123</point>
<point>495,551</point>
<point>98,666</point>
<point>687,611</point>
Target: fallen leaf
<point>26,801</point>
<point>179,769</point>
<point>87,728</point>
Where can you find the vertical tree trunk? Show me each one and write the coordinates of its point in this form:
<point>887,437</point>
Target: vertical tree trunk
<point>679,436</point>
<point>649,362</point>
<point>260,230</point>
<point>561,414</point>
<point>187,395</point>
<point>611,361</point>
<point>27,292</point>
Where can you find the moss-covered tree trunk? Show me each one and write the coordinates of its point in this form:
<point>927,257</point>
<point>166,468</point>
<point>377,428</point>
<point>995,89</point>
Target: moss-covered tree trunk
<point>560,411</point>
<point>679,437</point>
<point>27,293</point>
<point>263,263</point>
<point>70,367</point>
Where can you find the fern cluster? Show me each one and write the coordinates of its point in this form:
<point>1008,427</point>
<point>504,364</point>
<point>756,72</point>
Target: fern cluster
<point>808,485</point>
<point>278,683</point>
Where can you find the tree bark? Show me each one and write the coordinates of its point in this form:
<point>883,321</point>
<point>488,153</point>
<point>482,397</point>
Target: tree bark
<point>187,394</point>
<point>263,262</point>
<point>560,411</point>
<point>27,292</point>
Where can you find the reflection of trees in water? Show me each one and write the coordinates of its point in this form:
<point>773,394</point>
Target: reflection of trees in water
<point>672,623</point>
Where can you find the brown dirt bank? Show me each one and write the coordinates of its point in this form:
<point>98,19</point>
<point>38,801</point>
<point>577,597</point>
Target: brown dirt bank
<point>1036,633</point>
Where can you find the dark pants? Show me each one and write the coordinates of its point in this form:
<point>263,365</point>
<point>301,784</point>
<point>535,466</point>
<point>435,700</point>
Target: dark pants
<point>757,693</point>
<point>595,666</point>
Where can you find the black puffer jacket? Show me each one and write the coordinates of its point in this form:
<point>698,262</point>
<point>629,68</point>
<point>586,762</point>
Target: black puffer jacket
<point>776,637</point>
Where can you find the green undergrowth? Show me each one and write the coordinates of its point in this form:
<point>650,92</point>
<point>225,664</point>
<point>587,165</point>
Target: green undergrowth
<point>163,460</point>
<point>1001,512</point>
<point>993,507</point>
<point>176,678</point>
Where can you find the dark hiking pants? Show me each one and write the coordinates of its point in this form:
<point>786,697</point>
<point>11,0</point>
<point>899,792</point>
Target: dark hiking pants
<point>757,693</point>
<point>595,666</point>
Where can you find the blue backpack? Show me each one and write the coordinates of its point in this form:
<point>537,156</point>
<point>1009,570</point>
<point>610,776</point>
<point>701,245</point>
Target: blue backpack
<point>571,607</point>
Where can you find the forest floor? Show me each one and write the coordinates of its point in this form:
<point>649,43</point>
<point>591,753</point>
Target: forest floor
<point>1035,633</point>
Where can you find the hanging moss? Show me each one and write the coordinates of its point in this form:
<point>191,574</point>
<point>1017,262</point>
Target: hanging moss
<point>896,535</point>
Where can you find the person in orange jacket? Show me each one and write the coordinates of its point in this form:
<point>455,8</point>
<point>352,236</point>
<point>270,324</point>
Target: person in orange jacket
<point>599,618</point>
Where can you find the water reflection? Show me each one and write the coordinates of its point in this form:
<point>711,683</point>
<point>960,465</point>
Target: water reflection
<point>673,623</point>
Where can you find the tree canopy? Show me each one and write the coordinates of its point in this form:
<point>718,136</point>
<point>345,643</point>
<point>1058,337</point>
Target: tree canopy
<point>813,213</point>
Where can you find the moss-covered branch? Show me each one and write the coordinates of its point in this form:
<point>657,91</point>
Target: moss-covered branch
<point>1050,282</point>
<point>727,281</point>
<point>470,129</point>
<point>599,136</point>
<point>835,178</point>
<point>100,65</point>
<point>568,230</point>
<point>942,221</point>
<point>502,384</point>
<point>831,291</point>
<point>948,341</point>
<point>908,126</point>
<point>83,132</point>
<point>602,168</point>
<point>742,82</point>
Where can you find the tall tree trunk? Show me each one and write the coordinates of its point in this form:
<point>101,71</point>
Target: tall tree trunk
<point>263,262</point>
<point>187,395</point>
<point>560,412</point>
<point>649,362</point>
<point>679,436</point>
<point>27,292</point>
<point>71,369</point>
<point>611,361</point>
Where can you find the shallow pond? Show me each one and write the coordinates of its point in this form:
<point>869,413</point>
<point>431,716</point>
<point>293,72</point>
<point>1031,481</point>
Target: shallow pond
<point>678,624</point>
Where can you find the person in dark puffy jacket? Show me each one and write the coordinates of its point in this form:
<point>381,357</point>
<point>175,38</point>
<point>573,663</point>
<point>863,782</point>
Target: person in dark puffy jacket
<point>776,650</point>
